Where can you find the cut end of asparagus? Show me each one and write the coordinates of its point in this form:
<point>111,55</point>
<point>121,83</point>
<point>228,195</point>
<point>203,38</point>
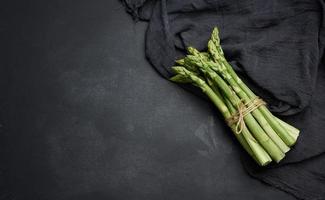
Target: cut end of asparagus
<point>279,160</point>
<point>265,163</point>
<point>293,131</point>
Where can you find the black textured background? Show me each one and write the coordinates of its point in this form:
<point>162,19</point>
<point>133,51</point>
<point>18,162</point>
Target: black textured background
<point>85,116</point>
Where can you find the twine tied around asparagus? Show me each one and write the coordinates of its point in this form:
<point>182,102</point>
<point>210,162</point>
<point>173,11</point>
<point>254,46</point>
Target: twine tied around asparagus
<point>242,110</point>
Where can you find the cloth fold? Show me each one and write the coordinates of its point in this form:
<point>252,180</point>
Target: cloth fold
<point>277,47</point>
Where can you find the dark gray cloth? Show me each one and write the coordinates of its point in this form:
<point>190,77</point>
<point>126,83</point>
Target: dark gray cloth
<point>277,47</point>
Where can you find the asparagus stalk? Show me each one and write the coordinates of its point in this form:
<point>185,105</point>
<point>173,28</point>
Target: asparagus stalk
<point>218,56</point>
<point>184,75</point>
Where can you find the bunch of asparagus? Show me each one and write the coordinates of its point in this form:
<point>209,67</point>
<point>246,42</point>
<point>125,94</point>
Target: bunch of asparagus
<point>264,136</point>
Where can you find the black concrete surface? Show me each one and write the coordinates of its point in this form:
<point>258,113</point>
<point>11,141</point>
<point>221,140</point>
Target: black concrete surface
<point>85,116</point>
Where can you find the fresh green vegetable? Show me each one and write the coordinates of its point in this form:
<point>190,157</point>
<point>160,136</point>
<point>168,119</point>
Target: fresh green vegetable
<point>262,135</point>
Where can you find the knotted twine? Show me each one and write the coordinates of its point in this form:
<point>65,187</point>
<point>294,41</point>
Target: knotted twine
<point>244,109</point>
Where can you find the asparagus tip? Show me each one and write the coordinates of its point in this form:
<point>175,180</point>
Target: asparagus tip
<point>180,61</point>
<point>192,50</point>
